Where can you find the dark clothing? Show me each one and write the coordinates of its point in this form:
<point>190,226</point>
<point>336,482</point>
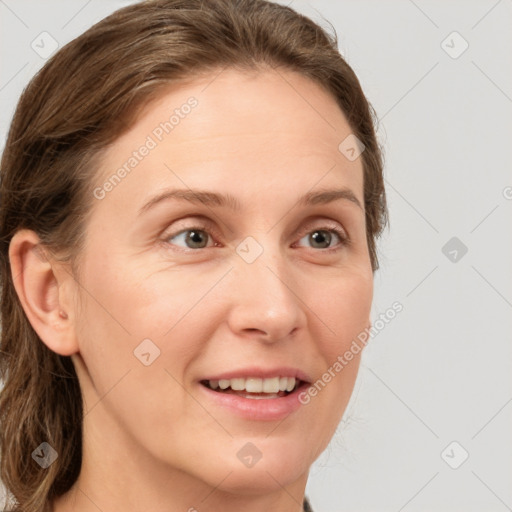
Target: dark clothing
<point>306,506</point>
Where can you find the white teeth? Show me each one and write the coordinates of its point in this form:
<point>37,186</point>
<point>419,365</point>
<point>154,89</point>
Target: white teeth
<point>224,383</point>
<point>237,384</point>
<point>291,384</point>
<point>271,385</point>
<point>256,385</point>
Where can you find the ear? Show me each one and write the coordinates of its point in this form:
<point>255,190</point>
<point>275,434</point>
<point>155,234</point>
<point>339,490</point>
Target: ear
<point>45,289</point>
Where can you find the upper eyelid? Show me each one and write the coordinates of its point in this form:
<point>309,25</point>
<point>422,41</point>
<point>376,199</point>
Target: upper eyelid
<point>336,214</point>
<point>324,224</point>
<point>204,221</point>
<point>203,224</point>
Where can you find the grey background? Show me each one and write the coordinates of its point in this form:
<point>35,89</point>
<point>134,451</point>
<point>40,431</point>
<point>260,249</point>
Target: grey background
<point>440,371</point>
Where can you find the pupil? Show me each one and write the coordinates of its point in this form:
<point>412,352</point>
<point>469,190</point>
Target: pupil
<point>196,239</point>
<point>321,237</point>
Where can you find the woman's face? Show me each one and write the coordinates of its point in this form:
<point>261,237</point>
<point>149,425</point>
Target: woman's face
<point>247,279</point>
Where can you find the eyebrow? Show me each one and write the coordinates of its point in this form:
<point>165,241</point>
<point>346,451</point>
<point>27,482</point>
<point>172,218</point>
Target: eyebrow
<point>214,199</point>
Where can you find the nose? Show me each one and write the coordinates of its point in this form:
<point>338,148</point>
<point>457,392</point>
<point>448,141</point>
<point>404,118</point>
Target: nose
<point>266,303</point>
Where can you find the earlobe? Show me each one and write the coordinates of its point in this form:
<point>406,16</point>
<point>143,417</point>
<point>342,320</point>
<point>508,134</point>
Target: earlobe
<point>44,290</point>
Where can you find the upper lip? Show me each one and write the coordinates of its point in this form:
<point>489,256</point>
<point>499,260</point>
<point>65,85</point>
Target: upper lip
<point>262,373</point>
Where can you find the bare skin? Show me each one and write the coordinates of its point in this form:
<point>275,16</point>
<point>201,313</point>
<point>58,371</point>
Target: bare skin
<point>153,440</point>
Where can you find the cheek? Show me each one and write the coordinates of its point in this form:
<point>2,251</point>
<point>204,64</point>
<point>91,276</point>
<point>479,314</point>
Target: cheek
<point>132,301</point>
<point>127,308</point>
<point>344,310</point>
<point>344,313</point>
<point>124,305</point>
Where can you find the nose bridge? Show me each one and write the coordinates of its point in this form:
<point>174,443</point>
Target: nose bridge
<point>264,300</point>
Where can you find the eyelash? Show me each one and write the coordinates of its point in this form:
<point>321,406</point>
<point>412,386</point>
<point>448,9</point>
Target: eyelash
<point>344,240</point>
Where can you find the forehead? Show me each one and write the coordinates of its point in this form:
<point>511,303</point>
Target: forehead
<point>245,131</point>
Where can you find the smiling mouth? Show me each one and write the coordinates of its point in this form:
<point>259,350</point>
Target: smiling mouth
<point>255,388</point>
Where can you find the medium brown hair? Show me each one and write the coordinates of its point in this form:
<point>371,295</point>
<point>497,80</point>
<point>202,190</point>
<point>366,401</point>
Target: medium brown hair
<point>82,100</point>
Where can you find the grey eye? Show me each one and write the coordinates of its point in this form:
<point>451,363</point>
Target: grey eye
<point>320,238</point>
<point>191,238</point>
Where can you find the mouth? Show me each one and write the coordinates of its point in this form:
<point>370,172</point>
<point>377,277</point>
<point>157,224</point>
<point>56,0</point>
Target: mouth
<point>256,394</point>
<point>255,388</point>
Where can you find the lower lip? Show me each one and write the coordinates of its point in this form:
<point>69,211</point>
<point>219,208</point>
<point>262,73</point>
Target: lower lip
<point>265,409</point>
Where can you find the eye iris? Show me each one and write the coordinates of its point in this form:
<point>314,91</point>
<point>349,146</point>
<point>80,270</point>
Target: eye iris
<point>196,239</point>
<point>320,237</point>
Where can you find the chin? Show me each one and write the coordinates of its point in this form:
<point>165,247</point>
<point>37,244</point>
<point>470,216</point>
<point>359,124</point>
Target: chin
<point>258,481</point>
<point>257,466</point>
